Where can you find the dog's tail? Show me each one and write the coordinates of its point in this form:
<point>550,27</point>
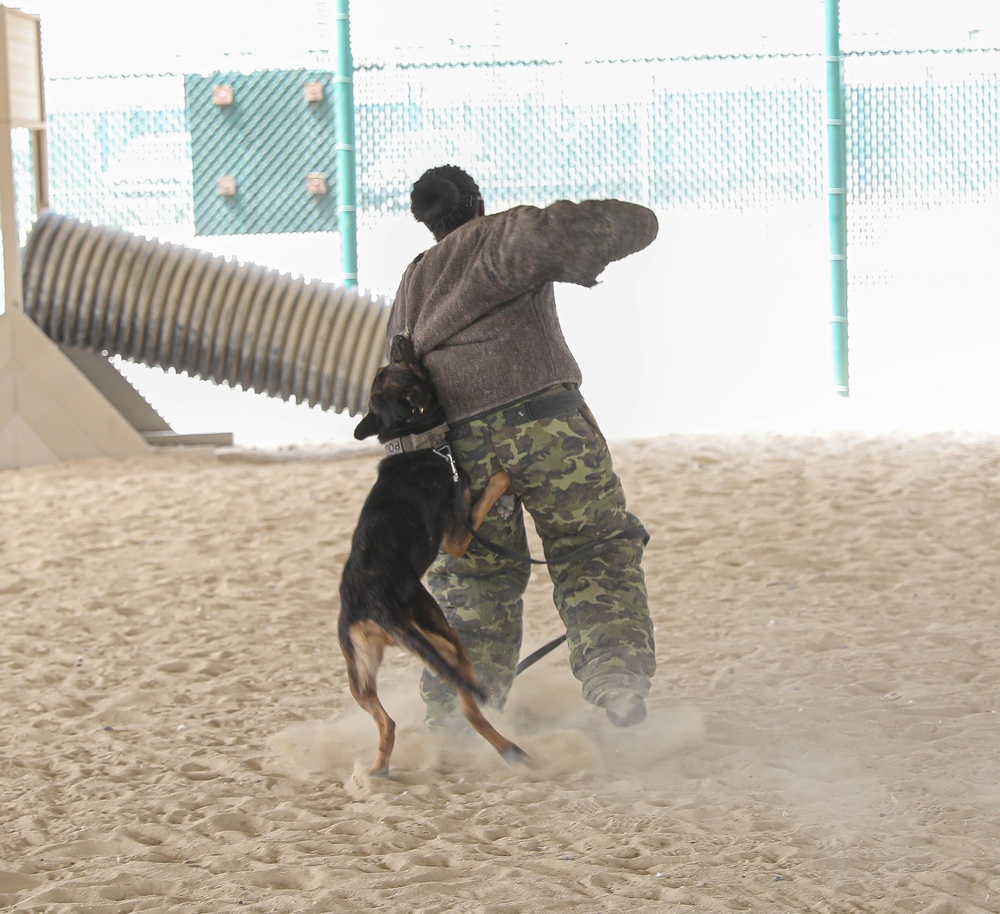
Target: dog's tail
<point>442,656</point>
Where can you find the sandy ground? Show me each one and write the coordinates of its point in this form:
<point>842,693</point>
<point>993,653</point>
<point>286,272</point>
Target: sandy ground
<point>176,732</point>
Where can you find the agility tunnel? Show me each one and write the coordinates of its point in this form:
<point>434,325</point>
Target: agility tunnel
<point>171,306</point>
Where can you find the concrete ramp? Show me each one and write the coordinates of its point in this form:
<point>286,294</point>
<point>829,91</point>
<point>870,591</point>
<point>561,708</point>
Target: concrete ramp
<point>49,409</point>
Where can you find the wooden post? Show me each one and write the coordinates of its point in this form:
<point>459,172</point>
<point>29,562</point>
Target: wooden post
<point>22,105</point>
<point>49,410</point>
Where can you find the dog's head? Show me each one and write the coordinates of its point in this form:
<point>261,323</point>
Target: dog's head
<point>402,400</point>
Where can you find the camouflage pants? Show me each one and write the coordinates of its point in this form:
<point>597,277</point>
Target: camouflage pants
<point>562,474</point>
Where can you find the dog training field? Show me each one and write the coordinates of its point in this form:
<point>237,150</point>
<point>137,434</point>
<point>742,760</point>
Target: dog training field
<point>176,732</point>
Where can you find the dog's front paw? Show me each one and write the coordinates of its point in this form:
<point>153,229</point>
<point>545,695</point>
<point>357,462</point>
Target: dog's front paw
<point>506,505</point>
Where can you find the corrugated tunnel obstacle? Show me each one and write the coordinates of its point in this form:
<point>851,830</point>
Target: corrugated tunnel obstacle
<point>170,306</point>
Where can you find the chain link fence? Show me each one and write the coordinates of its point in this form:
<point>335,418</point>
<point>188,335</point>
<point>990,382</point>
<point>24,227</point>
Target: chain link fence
<point>737,137</point>
<point>718,132</point>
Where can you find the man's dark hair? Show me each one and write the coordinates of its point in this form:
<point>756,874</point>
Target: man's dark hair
<point>445,197</point>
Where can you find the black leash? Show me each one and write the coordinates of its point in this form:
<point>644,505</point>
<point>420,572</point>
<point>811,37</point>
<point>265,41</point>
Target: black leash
<point>537,655</point>
<point>636,531</point>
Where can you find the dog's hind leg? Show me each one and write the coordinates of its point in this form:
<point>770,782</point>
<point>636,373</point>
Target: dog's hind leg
<point>457,541</point>
<point>509,751</point>
<point>368,642</point>
<point>434,640</point>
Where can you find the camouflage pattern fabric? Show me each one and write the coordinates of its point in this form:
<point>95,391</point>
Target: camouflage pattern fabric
<point>562,474</point>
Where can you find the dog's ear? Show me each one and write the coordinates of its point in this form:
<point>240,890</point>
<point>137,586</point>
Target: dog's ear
<point>401,349</point>
<point>418,399</point>
<point>366,427</point>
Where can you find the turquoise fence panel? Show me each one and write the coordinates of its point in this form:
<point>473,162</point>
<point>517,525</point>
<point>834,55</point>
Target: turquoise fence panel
<point>145,153</point>
<point>119,152</point>
<point>262,151</point>
<point>927,136</point>
<point>726,131</point>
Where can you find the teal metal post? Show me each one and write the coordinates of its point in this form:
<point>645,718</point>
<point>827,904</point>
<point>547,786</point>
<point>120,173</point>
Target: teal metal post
<point>347,211</point>
<point>836,137</point>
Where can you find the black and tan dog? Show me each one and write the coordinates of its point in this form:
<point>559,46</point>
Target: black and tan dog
<point>420,503</point>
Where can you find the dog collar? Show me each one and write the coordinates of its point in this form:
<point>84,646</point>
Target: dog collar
<point>434,439</point>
